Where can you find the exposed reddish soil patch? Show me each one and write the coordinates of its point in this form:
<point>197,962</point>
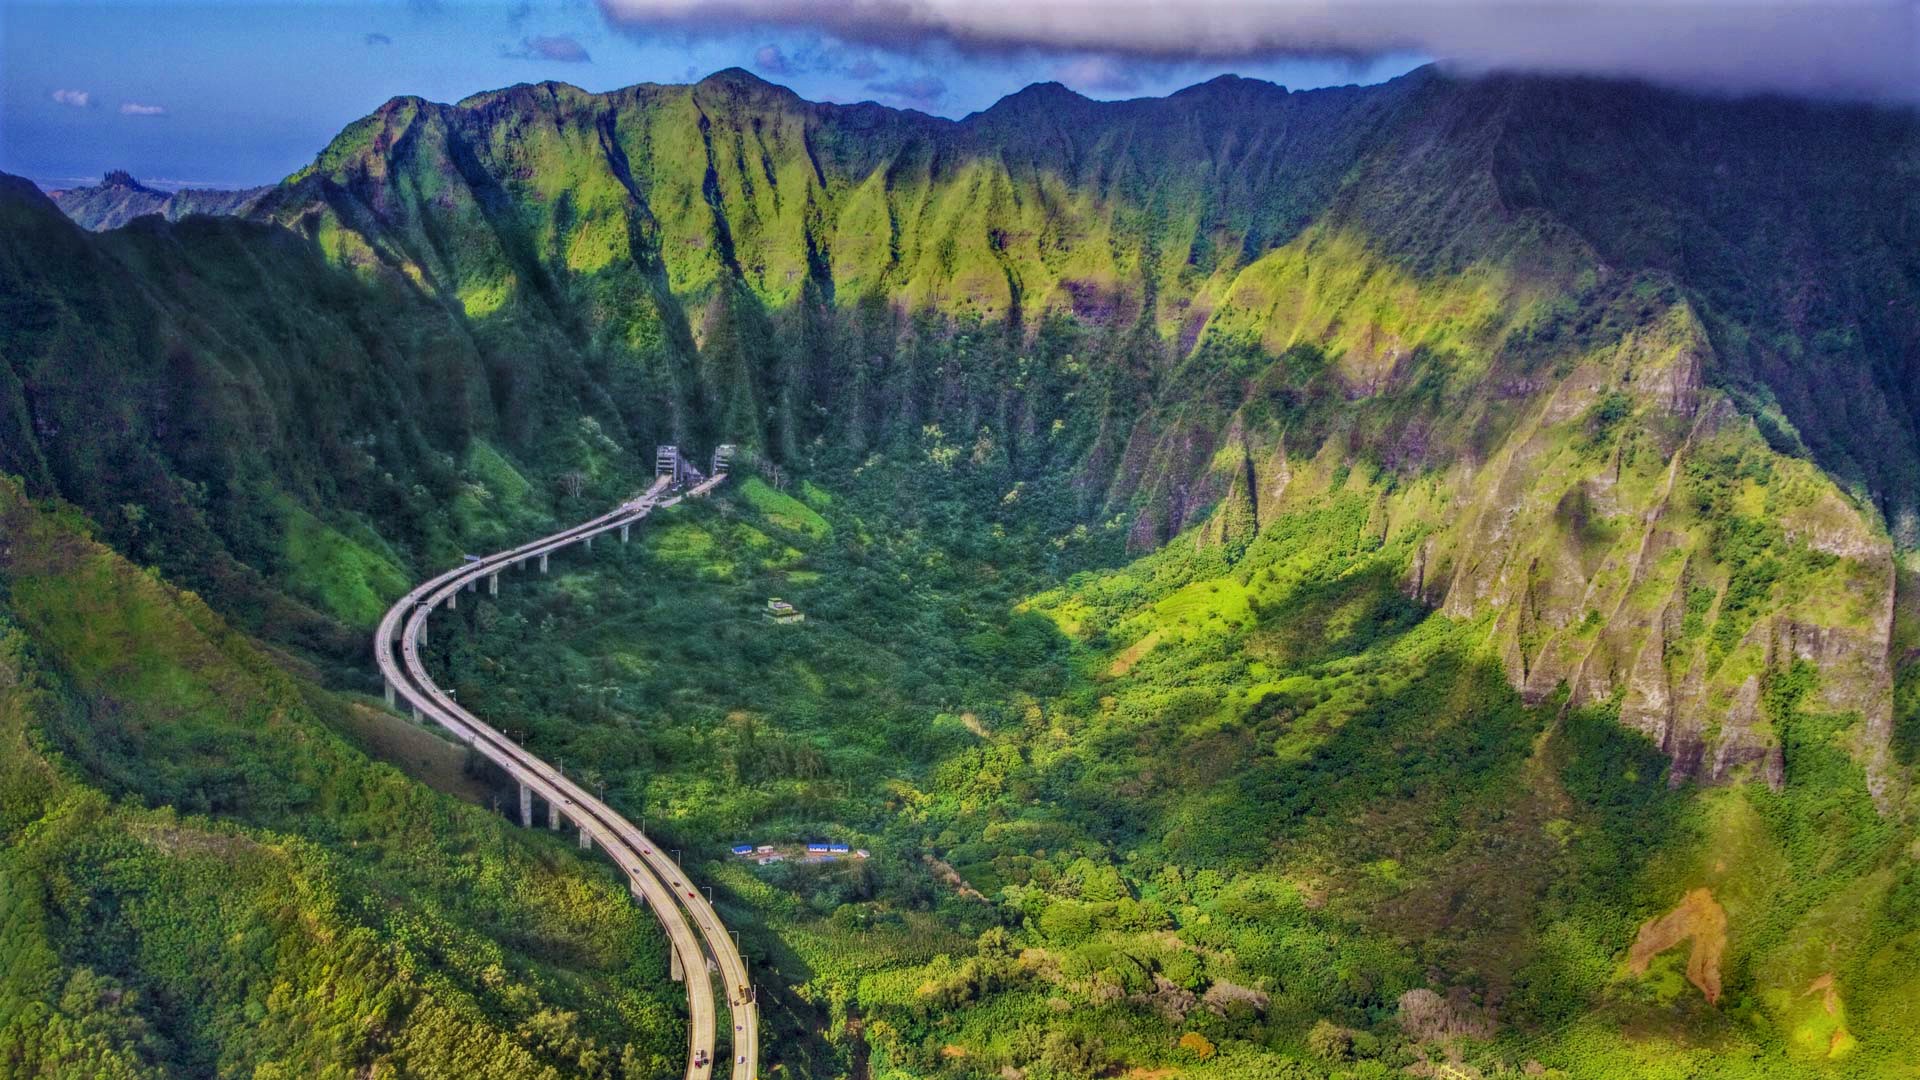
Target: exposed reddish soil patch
<point>1699,918</point>
<point>1133,654</point>
<point>1829,999</point>
<point>952,878</point>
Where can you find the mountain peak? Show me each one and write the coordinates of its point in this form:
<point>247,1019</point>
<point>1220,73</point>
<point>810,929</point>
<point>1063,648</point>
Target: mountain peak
<point>1040,96</point>
<point>1238,86</point>
<point>738,76</point>
<point>740,84</point>
<point>1048,91</point>
<point>121,178</point>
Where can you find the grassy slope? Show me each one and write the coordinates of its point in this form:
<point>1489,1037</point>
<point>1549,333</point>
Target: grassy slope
<point>202,875</point>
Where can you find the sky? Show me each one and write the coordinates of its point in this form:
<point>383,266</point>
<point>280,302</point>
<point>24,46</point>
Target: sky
<point>231,93</point>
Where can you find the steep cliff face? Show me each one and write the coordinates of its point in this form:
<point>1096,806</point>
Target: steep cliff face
<point>1622,531</point>
<point>1031,206</point>
<point>1670,565</point>
<point>1232,212</point>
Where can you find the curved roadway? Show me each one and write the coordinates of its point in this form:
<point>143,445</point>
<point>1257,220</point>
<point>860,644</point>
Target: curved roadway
<point>687,917</point>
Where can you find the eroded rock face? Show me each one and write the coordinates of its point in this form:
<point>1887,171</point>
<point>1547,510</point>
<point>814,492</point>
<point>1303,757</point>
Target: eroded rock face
<point>1621,526</point>
<point>1602,540</point>
<point>1607,574</point>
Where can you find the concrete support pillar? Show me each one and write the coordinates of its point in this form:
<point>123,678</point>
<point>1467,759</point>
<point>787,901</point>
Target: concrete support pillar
<point>623,532</point>
<point>543,564</point>
<point>586,839</point>
<point>493,584</point>
<point>526,807</point>
<point>416,711</point>
<point>553,816</point>
<point>589,543</point>
<point>473,584</point>
<point>453,599</point>
<point>389,687</point>
<point>674,969</point>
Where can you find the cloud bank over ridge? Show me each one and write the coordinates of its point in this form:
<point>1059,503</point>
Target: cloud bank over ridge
<point>1845,48</point>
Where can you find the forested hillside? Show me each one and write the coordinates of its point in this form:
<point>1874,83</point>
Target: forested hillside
<point>203,873</point>
<point>1521,478</point>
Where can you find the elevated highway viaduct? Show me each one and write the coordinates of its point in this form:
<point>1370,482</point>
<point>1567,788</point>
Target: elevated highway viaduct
<point>700,944</point>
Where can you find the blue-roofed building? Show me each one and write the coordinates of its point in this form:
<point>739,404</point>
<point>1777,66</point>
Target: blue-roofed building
<point>838,849</point>
<point>743,849</point>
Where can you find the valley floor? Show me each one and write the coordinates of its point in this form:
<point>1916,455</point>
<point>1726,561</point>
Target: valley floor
<point>1217,813</point>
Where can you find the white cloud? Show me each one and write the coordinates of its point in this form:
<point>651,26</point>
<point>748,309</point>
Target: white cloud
<point>1097,74</point>
<point>559,47</point>
<point>135,108</point>
<point>79,99</point>
<point>815,58</point>
<point>770,59</point>
<point>1867,48</point>
<point>918,91</point>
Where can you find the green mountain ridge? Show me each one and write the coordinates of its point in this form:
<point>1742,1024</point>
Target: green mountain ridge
<point>725,260</point>
<point>1620,385</point>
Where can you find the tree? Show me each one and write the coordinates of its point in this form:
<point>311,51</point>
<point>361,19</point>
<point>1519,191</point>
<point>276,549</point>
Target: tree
<point>1074,1053</point>
<point>1197,1044</point>
<point>1330,1041</point>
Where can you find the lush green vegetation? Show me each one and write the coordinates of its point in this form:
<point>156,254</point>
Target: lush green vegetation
<point>200,874</point>
<point>1236,815</point>
<point>1296,584</point>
